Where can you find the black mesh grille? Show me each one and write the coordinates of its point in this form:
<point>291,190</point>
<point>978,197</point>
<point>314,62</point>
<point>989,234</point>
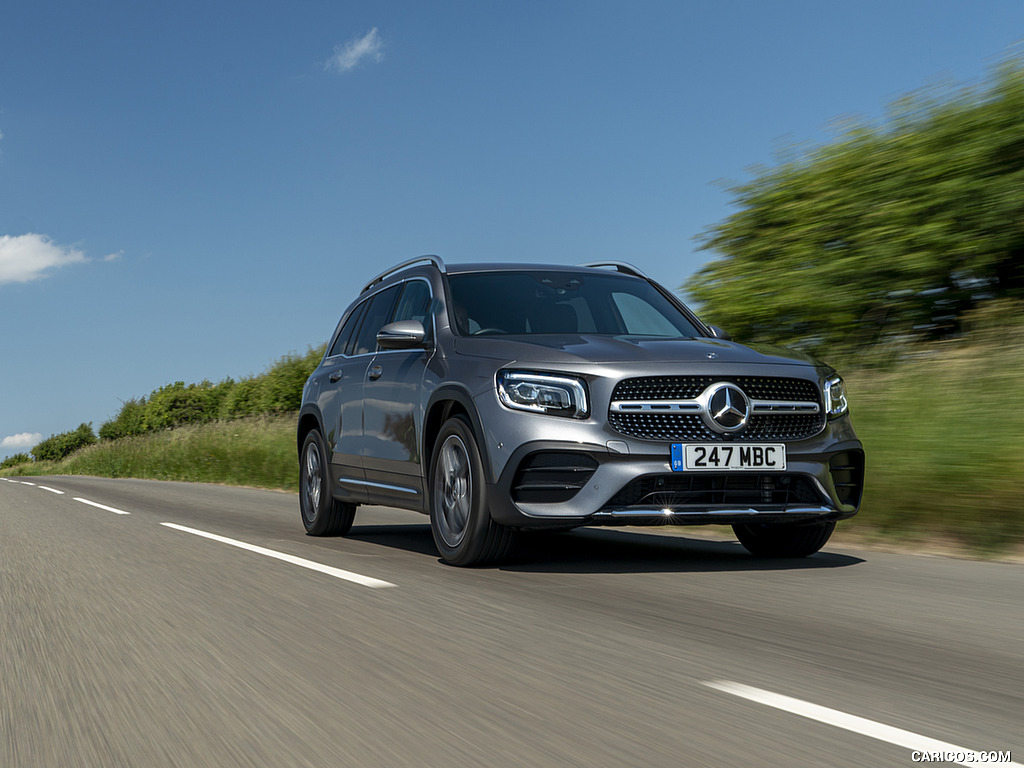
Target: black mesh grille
<point>740,489</point>
<point>691,427</point>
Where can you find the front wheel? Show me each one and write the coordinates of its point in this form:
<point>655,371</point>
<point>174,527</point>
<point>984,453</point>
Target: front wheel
<point>322,515</point>
<point>460,522</point>
<point>783,539</point>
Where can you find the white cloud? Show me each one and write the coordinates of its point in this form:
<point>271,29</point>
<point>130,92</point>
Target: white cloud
<point>22,441</point>
<point>114,256</point>
<point>28,257</point>
<point>349,55</point>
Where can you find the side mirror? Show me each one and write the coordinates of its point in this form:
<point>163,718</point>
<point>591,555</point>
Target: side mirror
<point>718,333</point>
<point>404,334</point>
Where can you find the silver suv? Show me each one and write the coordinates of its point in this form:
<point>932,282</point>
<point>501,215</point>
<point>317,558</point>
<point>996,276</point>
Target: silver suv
<point>505,397</point>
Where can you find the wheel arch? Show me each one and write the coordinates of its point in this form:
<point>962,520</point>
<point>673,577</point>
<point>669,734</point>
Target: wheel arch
<point>445,403</point>
<point>309,419</point>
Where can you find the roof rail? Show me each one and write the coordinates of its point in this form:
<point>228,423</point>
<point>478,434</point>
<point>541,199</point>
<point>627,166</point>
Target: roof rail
<point>620,266</point>
<point>435,260</point>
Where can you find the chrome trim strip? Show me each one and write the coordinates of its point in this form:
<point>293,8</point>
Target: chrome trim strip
<point>694,406</point>
<point>784,406</point>
<point>403,489</point>
<point>677,512</point>
<point>654,406</point>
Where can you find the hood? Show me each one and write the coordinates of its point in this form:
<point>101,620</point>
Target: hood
<point>570,349</point>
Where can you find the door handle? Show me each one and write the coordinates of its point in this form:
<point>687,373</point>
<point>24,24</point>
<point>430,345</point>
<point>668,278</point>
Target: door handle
<point>335,375</point>
<point>375,372</point>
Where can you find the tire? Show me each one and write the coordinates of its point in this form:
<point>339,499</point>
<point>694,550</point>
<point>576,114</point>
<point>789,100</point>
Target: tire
<point>783,539</point>
<point>322,515</point>
<point>460,522</point>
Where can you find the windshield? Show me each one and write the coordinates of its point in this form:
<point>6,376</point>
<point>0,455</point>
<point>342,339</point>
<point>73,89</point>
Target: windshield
<point>526,302</point>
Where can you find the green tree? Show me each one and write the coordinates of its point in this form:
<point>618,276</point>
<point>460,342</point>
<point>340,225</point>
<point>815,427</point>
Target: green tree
<point>888,231</point>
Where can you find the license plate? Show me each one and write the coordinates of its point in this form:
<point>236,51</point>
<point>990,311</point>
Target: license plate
<point>701,457</point>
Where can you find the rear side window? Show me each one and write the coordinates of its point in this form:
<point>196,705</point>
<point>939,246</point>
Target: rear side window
<point>351,324</point>
<point>376,317</point>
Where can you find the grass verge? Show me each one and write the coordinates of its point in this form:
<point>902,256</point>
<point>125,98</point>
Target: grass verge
<point>256,451</point>
<point>942,436</point>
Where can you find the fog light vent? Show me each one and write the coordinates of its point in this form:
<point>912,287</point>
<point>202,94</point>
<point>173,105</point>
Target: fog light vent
<point>847,470</point>
<point>550,477</point>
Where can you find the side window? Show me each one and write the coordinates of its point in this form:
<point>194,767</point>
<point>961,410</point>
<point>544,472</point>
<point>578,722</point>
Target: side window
<point>346,331</point>
<point>376,317</point>
<point>415,303</point>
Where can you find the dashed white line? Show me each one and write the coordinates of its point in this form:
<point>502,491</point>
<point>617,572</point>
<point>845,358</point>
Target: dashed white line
<point>102,506</point>
<point>51,490</point>
<point>861,725</point>
<point>337,573</point>
<point>26,482</point>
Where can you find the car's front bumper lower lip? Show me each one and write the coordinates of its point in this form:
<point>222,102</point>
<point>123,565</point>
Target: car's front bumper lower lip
<point>729,516</point>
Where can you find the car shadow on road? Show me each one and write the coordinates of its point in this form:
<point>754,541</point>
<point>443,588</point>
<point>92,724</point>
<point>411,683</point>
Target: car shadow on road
<point>603,550</point>
<point>590,550</point>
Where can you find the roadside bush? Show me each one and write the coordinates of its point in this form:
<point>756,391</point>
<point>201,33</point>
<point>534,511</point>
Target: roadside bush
<point>177,404</point>
<point>281,386</point>
<point>130,420</point>
<point>15,460</point>
<point>243,399</point>
<point>56,447</point>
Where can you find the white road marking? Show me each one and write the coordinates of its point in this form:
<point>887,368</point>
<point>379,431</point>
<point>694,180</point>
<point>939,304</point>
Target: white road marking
<point>25,482</point>
<point>861,725</point>
<point>102,506</point>
<point>51,490</point>
<point>337,573</point>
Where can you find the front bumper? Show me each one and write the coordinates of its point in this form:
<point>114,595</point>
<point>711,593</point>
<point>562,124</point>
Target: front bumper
<point>823,481</point>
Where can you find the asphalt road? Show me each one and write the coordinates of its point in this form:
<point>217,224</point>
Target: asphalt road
<point>128,642</point>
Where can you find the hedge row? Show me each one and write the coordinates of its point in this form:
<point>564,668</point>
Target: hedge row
<point>15,460</point>
<point>279,390</point>
<point>56,447</point>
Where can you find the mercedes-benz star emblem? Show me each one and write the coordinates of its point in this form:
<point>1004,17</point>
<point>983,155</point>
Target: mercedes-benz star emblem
<point>727,408</point>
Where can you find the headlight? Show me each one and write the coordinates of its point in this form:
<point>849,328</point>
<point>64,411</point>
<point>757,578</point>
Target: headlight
<point>543,393</point>
<point>835,397</point>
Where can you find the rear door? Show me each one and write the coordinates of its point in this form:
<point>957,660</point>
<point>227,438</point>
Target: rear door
<point>341,392</point>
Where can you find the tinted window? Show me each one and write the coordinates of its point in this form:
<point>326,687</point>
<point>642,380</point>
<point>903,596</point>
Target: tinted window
<point>376,317</point>
<point>346,331</point>
<point>415,302</point>
<point>563,302</point>
<point>640,318</point>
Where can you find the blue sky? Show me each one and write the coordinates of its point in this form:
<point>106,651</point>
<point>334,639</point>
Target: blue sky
<point>191,190</point>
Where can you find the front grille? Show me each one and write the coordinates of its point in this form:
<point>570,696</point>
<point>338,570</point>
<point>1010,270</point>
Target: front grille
<point>741,489</point>
<point>690,427</point>
<point>550,477</point>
